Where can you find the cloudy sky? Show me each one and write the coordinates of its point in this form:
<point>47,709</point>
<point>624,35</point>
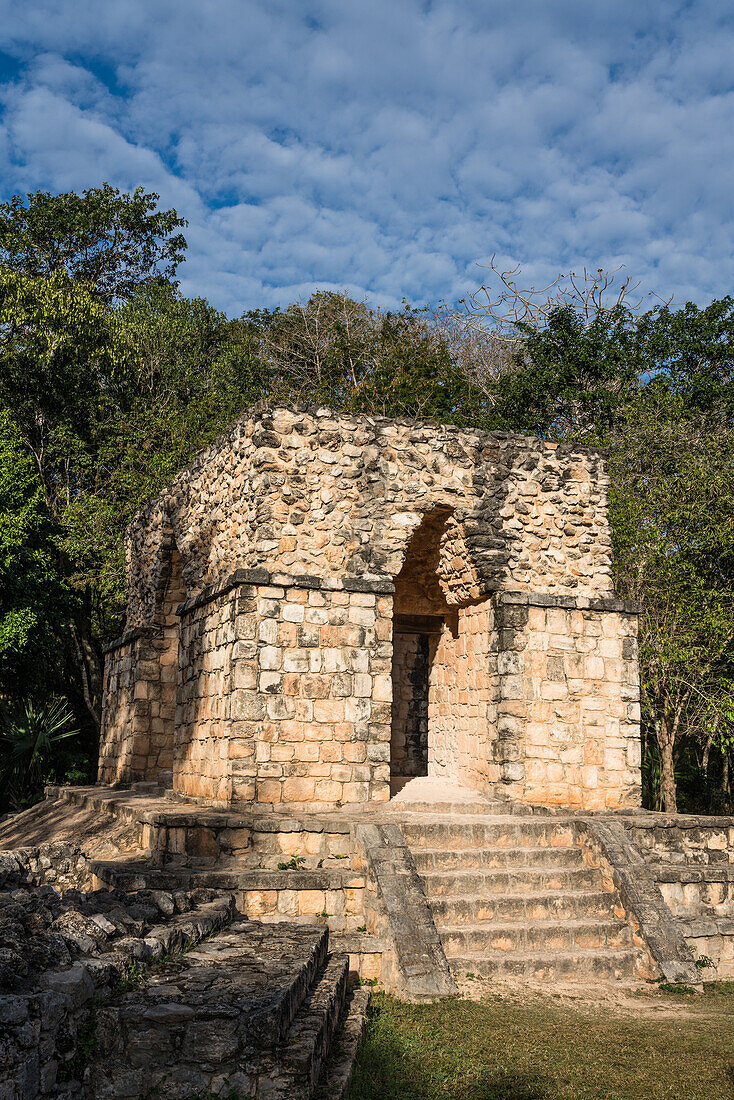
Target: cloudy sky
<point>388,146</point>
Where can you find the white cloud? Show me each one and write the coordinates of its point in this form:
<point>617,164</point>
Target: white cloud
<point>387,148</point>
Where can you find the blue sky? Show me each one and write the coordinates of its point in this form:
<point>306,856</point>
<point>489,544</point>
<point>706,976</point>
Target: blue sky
<point>389,146</point>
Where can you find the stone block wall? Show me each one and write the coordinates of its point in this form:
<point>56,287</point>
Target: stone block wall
<point>308,490</point>
<point>208,728</point>
<point>138,707</point>
<point>411,662</point>
<point>140,692</point>
<point>568,706</point>
<point>286,692</point>
<point>463,699</point>
<point>691,858</point>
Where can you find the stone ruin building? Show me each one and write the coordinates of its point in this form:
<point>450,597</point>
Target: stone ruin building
<point>375,711</point>
<point>324,606</point>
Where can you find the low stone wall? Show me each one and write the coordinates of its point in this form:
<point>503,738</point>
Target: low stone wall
<point>249,1013</point>
<point>691,858</point>
<point>639,902</point>
<point>684,838</point>
<point>278,868</point>
<point>413,963</point>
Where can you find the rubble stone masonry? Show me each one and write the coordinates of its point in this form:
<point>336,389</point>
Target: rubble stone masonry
<point>258,663</point>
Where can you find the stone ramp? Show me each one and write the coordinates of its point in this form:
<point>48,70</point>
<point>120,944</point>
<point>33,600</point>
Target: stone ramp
<point>513,896</point>
<point>62,820</point>
<point>253,1011</point>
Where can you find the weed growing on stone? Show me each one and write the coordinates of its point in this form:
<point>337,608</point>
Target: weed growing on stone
<point>133,977</point>
<point>293,864</point>
<point>703,962</point>
<point>676,987</point>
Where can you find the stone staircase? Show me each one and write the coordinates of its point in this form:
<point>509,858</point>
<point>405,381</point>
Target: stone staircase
<point>255,1012</point>
<point>513,897</point>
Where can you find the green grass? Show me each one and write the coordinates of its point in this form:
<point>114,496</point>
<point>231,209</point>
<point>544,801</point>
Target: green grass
<point>670,1048</point>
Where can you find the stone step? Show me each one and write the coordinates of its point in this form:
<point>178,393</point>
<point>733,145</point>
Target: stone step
<point>255,1003</point>
<point>481,833</point>
<point>299,1060</point>
<point>529,937</point>
<point>464,859</point>
<point>467,807</point>
<point>336,1075</point>
<point>556,905</point>
<point>579,964</point>
<point>525,881</point>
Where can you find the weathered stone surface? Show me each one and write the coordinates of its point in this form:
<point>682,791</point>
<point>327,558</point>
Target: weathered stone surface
<point>420,971</point>
<point>68,946</point>
<point>691,860</point>
<point>118,994</point>
<point>264,661</point>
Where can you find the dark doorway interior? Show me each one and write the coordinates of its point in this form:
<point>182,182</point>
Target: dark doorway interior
<point>414,644</point>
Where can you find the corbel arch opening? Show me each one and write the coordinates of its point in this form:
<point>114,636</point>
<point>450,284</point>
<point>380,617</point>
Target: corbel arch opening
<point>421,614</point>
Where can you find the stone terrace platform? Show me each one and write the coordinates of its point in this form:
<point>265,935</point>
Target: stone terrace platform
<point>112,994</point>
<point>436,883</point>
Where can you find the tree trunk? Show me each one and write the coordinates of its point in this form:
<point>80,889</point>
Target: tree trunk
<point>667,766</point>
<point>86,661</point>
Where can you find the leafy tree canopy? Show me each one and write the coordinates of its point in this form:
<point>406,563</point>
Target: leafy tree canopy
<point>33,596</point>
<point>107,239</point>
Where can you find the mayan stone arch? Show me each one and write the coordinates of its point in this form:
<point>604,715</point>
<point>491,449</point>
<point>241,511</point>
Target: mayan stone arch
<point>299,545</point>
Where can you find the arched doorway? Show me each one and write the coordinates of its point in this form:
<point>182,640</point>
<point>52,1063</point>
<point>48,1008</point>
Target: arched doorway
<point>420,615</point>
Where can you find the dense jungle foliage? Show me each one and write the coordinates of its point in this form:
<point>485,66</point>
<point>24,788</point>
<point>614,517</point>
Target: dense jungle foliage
<point>111,380</point>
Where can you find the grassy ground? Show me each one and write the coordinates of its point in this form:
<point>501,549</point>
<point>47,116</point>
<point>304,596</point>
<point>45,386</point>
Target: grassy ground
<point>653,1046</point>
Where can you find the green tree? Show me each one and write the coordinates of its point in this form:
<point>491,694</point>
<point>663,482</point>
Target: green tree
<point>573,377</point>
<point>672,515</point>
<point>30,737</point>
<point>34,599</point>
<point>410,373</point>
<point>335,351</point>
<point>192,371</point>
<point>64,261</point>
<point>109,240</point>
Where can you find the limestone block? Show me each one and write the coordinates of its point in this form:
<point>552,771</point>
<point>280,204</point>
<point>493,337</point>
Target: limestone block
<point>299,790</point>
